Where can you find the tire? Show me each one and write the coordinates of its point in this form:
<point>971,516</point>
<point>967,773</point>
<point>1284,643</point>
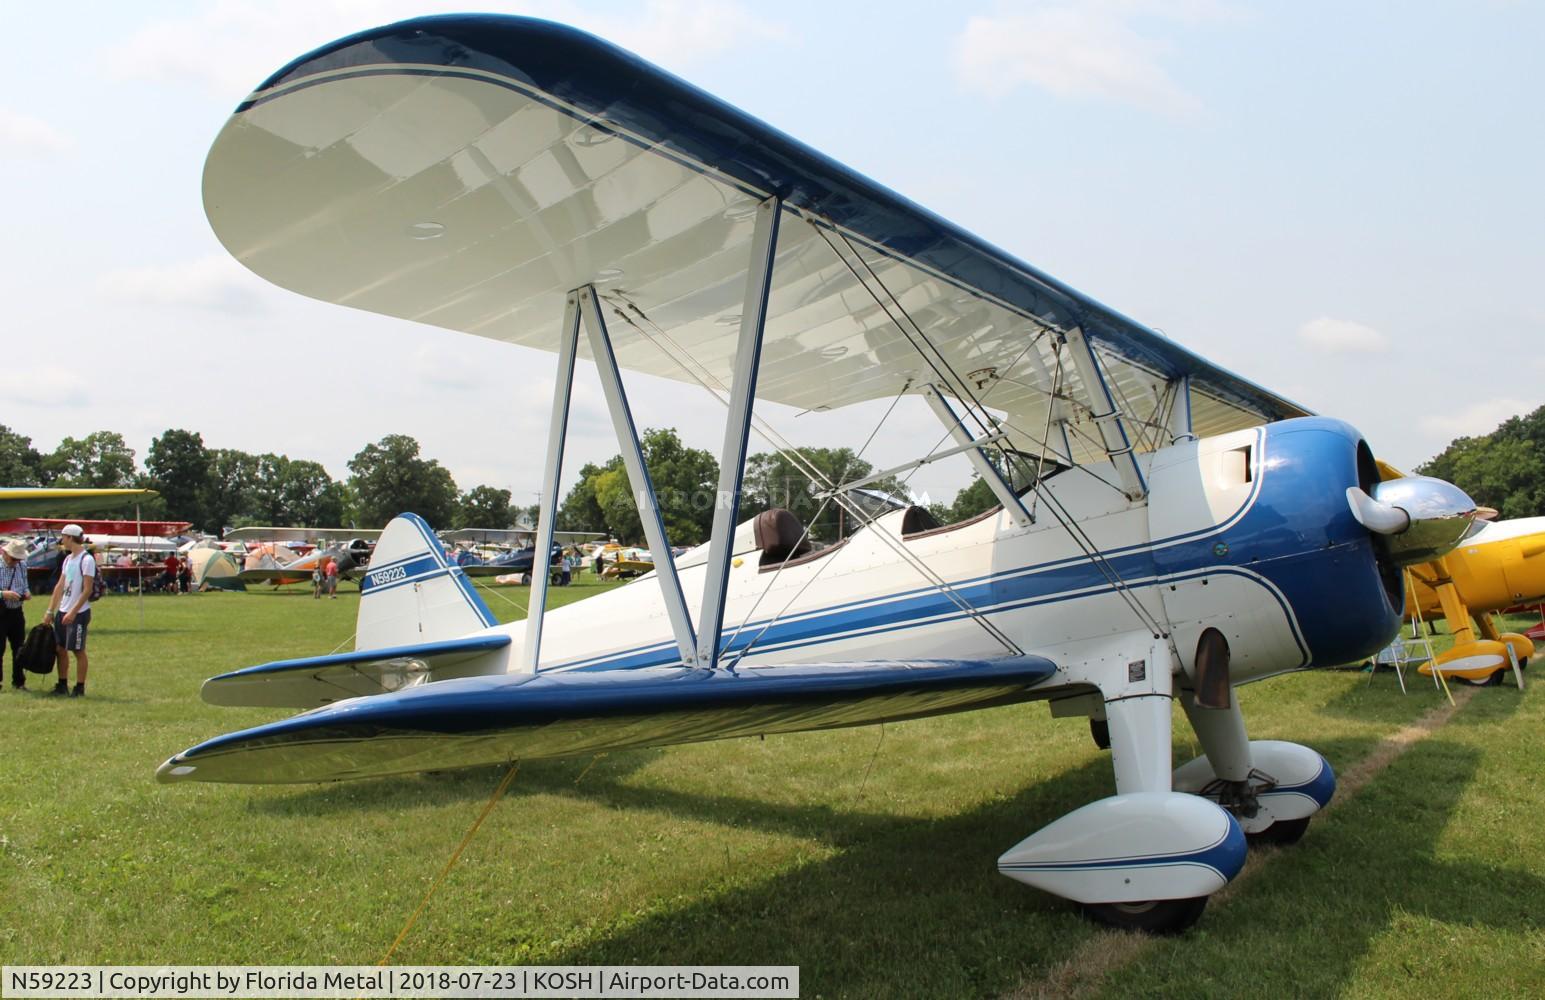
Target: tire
<point>525,579</point>
<point>1099,729</point>
<point>1280,834</point>
<point>1159,916</point>
<point>1490,680</point>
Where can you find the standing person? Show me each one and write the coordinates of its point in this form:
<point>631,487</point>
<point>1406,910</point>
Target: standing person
<point>318,580</point>
<point>169,568</point>
<point>69,610</point>
<point>13,621</point>
<point>332,578</point>
<point>184,574</point>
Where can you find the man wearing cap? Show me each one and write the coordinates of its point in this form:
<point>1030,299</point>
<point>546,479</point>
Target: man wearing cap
<point>70,608</point>
<point>13,621</point>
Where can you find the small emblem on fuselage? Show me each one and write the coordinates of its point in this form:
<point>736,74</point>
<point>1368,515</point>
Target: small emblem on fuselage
<point>1220,549</point>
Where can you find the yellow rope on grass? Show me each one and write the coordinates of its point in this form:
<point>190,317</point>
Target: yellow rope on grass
<point>493,800</point>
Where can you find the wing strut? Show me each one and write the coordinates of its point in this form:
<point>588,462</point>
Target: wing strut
<point>1107,416</point>
<point>557,434</point>
<point>737,430</point>
<point>638,475</point>
<point>1180,428</point>
<point>989,473</point>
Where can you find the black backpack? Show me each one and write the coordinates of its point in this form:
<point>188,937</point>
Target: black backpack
<point>37,653</point>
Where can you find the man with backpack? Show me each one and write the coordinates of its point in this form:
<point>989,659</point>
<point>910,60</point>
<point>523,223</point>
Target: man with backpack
<point>13,621</point>
<point>70,608</point>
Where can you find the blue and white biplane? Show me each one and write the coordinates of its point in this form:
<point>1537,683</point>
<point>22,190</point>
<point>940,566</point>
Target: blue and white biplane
<point>1166,530</point>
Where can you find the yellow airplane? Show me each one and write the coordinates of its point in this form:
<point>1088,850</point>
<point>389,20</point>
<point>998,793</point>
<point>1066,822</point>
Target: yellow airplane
<point>1501,564</point>
<point>1498,565</point>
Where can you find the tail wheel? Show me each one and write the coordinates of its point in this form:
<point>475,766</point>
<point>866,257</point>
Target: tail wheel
<point>1490,680</point>
<point>1157,916</point>
<point>1281,833</point>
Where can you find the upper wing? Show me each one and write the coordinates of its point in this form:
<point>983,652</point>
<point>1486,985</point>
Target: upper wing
<point>508,536</point>
<point>493,719</point>
<point>469,171</point>
<point>19,501</point>
<point>287,534</point>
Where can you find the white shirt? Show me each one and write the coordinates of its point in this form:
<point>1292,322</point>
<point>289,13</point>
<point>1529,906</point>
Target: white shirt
<point>73,586</point>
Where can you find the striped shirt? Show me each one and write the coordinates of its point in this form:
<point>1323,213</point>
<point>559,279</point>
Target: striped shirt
<point>14,577</point>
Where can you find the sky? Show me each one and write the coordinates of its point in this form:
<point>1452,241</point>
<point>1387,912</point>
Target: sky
<point>1340,201</point>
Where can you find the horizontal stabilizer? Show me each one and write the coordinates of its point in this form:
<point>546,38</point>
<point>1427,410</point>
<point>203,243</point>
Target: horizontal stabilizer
<point>321,680</point>
<point>489,720</point>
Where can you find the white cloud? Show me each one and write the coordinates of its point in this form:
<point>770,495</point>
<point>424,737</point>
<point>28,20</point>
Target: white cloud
<point>1090,49</point>
<point>676,32</point>
<point>233,45</point>
<point>46,385</point>
<point>215,282</point>
<point>25,136</point>
<point>1481,417</point>
<point>1342,336</point>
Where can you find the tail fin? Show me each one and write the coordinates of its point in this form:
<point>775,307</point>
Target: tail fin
<point>412,594</point>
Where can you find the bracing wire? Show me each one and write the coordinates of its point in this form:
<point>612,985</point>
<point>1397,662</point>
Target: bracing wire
<point>704,377</point>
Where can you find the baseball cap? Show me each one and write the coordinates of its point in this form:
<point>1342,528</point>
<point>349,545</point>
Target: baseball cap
<point>73,530</point>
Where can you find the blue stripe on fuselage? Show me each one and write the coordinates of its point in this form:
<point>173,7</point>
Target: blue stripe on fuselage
<point>1300,543</point>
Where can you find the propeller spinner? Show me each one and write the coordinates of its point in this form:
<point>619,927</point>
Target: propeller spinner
<point>1419,518</point>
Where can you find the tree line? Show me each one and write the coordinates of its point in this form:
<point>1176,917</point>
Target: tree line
<point>220,488</point>
<point>1504,469</point>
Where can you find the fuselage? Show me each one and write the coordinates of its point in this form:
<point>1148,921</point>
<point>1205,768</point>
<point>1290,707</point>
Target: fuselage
<point>1500,565</point>
<point>1247,532</point>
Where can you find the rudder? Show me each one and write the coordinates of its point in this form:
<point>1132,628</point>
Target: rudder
<point>412,594</point>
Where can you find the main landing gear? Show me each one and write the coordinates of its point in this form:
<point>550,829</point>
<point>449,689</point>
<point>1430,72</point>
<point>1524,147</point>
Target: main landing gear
<point>1148,857</point>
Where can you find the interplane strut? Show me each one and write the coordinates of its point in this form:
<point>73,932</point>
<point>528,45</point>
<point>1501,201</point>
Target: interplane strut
<point>1114,433</point>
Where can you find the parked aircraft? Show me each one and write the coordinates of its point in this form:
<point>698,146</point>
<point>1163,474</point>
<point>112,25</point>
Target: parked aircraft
<point>125,550</point>
<point>280,565</point>
<point>517,557</point>
<point>1499,565</point>
<point>24,501</point>
<point>527,182</point>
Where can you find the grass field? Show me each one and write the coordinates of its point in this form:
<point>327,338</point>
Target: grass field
<point>865,857</point>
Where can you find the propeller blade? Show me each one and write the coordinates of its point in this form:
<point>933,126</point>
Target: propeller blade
<point>1379,518</point>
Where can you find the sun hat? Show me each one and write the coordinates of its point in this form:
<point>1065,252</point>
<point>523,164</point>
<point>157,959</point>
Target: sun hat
<point>15,548</point>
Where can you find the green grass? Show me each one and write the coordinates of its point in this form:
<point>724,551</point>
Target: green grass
<point>866,859</point>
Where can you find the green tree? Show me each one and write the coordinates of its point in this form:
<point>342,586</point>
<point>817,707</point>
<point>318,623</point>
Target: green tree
<point>485,507</point>
<point>288,491</point>
<point>580,510</point>
<point>390,477</point>
<point>310,496</point>
<point>684,479</point>
<point>774,479</point>
<point>971,501</point>
<point>100,460</point>
<point>227,494</point>
<point>20,463</point>
<point>178,467</point>
<point>1504,469</point>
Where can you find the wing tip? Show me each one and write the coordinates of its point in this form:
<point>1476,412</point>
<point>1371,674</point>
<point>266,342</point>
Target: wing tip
<point>175,770</point>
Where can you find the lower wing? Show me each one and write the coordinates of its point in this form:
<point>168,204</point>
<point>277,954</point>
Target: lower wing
<point>494,719</point>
